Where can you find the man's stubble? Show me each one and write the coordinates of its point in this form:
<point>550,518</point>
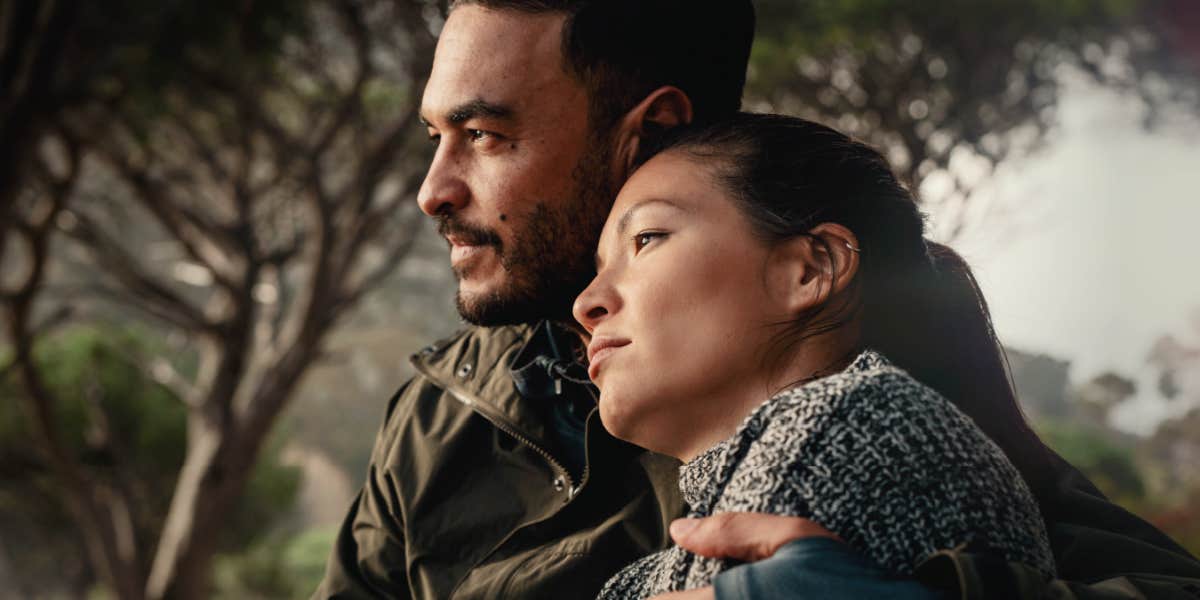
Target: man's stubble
<point>551,257</point>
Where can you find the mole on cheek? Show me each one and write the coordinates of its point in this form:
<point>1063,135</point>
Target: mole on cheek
<point>503,217</point>
<point>513,146</point>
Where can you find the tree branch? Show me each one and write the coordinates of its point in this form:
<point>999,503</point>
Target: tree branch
<point>356,28</point>
<point>158,299</point>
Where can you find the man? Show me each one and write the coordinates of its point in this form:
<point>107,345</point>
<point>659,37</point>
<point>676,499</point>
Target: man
<point>488,479</point>
<point>491,477</point>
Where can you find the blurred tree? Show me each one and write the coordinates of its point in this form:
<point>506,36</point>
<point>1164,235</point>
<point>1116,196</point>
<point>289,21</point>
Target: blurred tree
<point>244,200</point>
<point>1176,441</point>
<point>276,567</point>
<point>1155,478</point>
<point>950,89</point>
<point>235,170</point>
<point>1107,461</point>
<point>1176,446</point>
<point>59,55</point>
<point>129,433</point>
<point>1170,457</point>
<point>1041,382</point>
<point>1181,520</point>
<point>1099,396</point>
<point>1174,449</point>
<point>1178,363</point>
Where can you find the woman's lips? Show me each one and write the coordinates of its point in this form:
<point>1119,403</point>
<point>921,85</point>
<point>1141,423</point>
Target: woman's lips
<point>599,349</point>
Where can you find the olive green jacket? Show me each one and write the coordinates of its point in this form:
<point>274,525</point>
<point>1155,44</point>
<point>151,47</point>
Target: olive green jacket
<point>464,499</point>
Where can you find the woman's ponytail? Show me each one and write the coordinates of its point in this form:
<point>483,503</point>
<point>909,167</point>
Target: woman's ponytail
<point>934,323</point>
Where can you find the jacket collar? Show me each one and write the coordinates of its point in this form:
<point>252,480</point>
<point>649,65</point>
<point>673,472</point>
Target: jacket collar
<point>472,367</point>
<point>505,373</point>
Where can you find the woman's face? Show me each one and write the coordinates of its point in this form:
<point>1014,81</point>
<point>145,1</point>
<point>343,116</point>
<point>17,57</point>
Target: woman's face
<point>680,309</point>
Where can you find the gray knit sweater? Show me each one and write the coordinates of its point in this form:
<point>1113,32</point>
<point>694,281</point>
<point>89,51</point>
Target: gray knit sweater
<point>883,461</point>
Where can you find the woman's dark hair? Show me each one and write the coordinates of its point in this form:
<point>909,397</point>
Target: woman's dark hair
<point>918,301</point>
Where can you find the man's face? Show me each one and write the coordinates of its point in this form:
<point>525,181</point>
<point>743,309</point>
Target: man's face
<point>519,184</point>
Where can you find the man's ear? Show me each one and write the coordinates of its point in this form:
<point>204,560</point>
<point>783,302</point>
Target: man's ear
<point>664,108</point>
<point>809,270</point>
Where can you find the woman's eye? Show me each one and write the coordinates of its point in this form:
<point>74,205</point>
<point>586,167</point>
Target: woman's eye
<point>644,238</point>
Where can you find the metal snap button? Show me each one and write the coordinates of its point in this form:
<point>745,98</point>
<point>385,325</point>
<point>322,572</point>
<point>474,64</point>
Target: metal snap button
<point>464,370</point>
<point>560,483</point>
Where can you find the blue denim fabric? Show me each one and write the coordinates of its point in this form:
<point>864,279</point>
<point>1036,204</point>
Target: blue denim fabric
<point>816,568</point>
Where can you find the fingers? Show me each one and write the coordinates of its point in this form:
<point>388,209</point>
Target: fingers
<point>704,593</point>
<point>743,536</point>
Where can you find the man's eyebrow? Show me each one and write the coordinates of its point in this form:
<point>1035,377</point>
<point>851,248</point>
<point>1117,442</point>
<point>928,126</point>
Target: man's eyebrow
<point>470,110</point>
<point>478,108</point>
<point>623,223</point>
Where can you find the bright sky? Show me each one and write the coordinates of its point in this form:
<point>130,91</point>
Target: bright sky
<point>1098,256</point>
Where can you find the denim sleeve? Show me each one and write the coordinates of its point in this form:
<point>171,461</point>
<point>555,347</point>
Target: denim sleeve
<point>816,568</point>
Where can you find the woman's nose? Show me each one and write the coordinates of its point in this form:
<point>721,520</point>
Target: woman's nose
<point>443,191</point>
<point>594,304</point>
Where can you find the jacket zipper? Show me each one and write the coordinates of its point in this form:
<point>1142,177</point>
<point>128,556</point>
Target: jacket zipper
<point>498,423</point>
<point>573,491</point>
<point>554,464</point>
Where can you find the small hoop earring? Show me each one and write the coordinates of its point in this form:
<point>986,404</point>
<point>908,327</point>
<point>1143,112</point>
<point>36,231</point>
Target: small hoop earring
<point>852,248</point>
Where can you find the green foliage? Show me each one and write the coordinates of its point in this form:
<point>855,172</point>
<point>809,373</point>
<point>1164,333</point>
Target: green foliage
<point>105,397</point>
<point>1125,470</point>
<point>123,429</point>
<point>278,567</point>
<point>269,495</point>
<point>924,81</point>
<point>127,432</point>
<point>815,25</point>
<point>138,48</point>
<point>1182,520</point>
<point>1110,465</point>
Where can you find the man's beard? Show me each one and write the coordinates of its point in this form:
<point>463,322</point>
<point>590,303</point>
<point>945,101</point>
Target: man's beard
<point>551,257</point>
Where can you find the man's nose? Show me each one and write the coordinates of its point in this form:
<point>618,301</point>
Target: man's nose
<point>443,190</point>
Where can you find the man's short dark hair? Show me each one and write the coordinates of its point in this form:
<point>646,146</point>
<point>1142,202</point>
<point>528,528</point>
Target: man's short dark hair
<point>624,49</point>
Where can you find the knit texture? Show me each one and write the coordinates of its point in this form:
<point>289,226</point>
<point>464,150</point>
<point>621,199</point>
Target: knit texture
<point>873,455</point>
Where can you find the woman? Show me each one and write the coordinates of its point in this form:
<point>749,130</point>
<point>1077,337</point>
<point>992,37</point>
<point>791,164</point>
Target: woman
<point>767,310</point>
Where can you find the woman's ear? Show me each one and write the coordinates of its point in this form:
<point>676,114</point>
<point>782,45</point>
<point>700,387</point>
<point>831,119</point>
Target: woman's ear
<point>665,108</point>
<point>811,269</point>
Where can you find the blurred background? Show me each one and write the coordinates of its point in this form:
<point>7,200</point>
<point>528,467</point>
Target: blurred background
<point>213,270</point>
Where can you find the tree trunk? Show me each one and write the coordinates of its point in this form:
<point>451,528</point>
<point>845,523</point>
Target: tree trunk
<point>210,482</point>
<point>220,459</point>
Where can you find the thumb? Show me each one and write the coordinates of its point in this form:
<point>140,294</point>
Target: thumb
<point>744,536</point>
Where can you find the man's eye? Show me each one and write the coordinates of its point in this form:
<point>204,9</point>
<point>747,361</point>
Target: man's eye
<point>478,135</point>
<point>642,239</point>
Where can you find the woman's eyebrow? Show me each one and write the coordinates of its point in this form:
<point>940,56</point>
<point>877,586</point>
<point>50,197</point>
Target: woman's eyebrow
<point>623,223</point>
<point>627,217</point>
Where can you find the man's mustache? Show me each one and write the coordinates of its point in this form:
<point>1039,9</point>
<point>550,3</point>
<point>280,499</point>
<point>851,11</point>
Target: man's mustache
<point>466,233</point>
